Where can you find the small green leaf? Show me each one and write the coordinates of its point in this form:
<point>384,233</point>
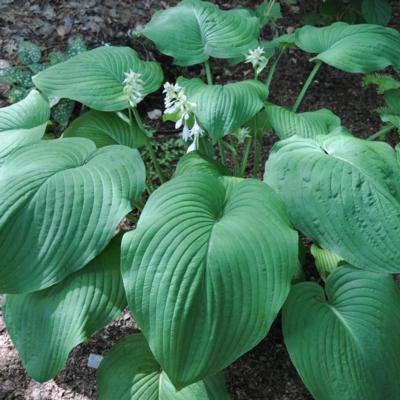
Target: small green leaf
<point>95,78</point>
<point>382,81</point>
<point>46,325</point>
<point>352,48</point>
<point>218,252</point>
<point>222,109</point>
<point>106,129</point>
<point>75,46</point>
<point>67,198</point>
<point>62,111</point>
<point>195,30</point>
<point>344,193</point>
<point>56,57</point>
<point>130,372</point>
<point>309,124</point>
<point>23,122</point>
<point>325,261</point>
<point>29,53</point>
<point>194,162</point>
<point>344,342</point>
<point>377,12</point>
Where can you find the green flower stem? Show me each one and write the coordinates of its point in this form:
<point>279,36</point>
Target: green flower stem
<point>306,86</point>
<point>234,155</point>
<point>208,72</point>
<point>382,132</point>
<point>272,70</point>
<point>139,204</point>
<point>221,149</point>
<point>149,147</point>
<point>245,156</point>
<point>257,157</point>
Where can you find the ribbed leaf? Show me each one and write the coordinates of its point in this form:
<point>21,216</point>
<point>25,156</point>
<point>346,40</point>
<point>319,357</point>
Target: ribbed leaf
<point>376,11</point>
<point>309,124</point>
<point>130,372</point>
<point>345,342</point>
<point>222,109</point>
<point>207,270</point>
<point>195,30</point>
<point>325,261</point>
<point>95,78</point>
<point>194,162</point>
<point>46,325</point>
<point>105,129</point>
<point>352,48</point>
<point>23,122</point>
<point>67,198</point>
<point>344,193</point>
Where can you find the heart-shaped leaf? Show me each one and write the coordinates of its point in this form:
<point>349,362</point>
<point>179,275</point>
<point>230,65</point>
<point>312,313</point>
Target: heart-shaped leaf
<point>194,162</point>
<point>46,325</point>
<point>309,124</point>
<point>376,11</point>
<point>207,270</point>
<point>23,122</point>
<point>344,342</point>
<point>344,193</point>
<point>130,372</point>
<point>105,128</point>
<point>195,30</point>
<point>222,109</point>
<point>67,198</point>
<point>95,78</point>
<point>352,48</point>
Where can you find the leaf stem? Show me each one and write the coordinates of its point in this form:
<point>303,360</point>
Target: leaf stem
<point>149,147</point>
<point>234,155</point>
<point>272,70</point>
<point>306,86</point>
<point>245,156</point>
<point>208,72</point>
<point>257,157</point>
<point>382,132</point>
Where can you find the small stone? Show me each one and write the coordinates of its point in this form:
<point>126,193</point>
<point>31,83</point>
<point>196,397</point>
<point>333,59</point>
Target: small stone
<point>94,360</point>
<point>61,31</point>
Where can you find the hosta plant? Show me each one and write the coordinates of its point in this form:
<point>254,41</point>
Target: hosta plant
<point>213,254</point>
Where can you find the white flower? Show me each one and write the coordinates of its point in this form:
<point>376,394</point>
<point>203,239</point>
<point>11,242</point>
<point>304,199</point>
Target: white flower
<point>133,88</point>
<point>257,59</point>
<point>242,134</point>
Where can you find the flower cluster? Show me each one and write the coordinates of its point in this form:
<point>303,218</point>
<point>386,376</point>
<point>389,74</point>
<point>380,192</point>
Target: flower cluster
<point>177,102</point>
<point>133,88</point>
<point>257,59</point>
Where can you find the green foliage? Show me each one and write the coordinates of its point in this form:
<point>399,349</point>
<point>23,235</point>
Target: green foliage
<point>81,304</point>
<point>352,48</point>
<point>203,233</point>
<point>130,372</point>
<point>213,255</point>
<point>98,77</point>
<point>203,31</point>
<point>337,338</point>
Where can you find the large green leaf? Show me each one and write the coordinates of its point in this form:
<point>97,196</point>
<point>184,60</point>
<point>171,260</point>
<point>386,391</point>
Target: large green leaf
<point>106,128</point>
<point>46,325</point>
<point>194,162</point>
<point>309,124</point>
<point>222,109</point>
<point>376,11</point>
<point>345,342</point>
<point>60,203</point>
<point>95,78</point>
<point>23,122</point>
<point>344,193</point>
<point>195,30</point>
<point>130,372</point>
<point>352,48</point>
<point>207,270</point>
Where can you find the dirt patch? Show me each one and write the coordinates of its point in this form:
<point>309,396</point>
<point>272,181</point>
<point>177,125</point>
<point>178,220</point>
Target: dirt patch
<point>265,372</point>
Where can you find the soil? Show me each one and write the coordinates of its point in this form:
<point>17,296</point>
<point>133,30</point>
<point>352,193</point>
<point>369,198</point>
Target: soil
<point>265,373</point>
